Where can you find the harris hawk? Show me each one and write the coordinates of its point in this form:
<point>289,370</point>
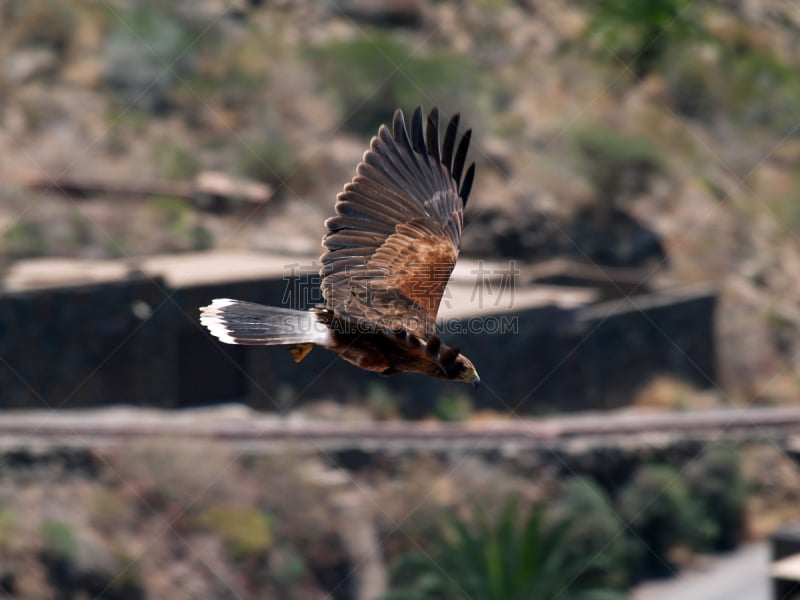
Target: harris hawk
<point>389,252</point>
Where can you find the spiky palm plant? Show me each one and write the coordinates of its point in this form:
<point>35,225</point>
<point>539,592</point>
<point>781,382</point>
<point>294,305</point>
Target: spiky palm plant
<point>516,557</point>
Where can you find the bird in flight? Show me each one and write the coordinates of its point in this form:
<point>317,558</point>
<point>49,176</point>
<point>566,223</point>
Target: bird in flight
<point>389,252</point>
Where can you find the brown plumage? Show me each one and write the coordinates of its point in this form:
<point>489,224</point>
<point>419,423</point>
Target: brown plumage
<point>390,250</point>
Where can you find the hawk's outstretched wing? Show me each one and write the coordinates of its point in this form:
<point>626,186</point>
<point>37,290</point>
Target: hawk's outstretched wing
<point>397,231</point>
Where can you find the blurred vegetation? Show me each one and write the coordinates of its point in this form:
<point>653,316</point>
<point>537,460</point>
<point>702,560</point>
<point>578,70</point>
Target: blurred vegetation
<point>272,159</point>
<point>453,406</point>
<point>516,557</point>
<point>763,90</point>
<point>716,482</point>
<point>602,536</point>
<point>641,33</point>
<point>7,528</point>
<point>663,516</point>
<point>373,74</point>
<point>381,402</point>
<point>24,239</point>
<point>59,541</point>
<point>152,89</point>
<point>182,223</point>
<point>108,511</point>
<point>451,528</point>
<point>245,531</point>
<point>177,162</point>
<point>147,52</point>
<point>619,165</point>
<point>167,475</point>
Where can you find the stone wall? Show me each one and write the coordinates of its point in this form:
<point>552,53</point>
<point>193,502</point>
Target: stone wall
<point>138,341</point>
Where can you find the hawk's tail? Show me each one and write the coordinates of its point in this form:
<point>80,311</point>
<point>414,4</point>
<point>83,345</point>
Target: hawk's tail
<point>237,322</point>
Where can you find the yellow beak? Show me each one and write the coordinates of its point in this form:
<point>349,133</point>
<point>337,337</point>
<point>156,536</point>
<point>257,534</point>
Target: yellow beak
<point>475,380</point>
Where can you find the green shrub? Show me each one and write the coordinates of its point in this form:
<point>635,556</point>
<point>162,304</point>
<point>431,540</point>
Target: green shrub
<point>617,164</point>
<point>762,90</point>
<point>8,528</point>
<point>183,225</point>
<point>25,239</point>
<point>715,480</point>
<point>751,87</point>
<point>199,237</point>
<point>108,511</point>
<point>453,406</point>
<point>179,477</point>
<point>146,55</point>
<point>80,229</point>
<point>661,514</point>
<point>177,162</point>
<point>245,531</point>
<point>695,86</point>
<point>594,529</point>
<point>517,557</point>
<point>375,73</point>
<point>381,402</point>
<point>59,541</point>
<point>172,211</point>
<point>125,577</point>
<point>641,33</point>
<point>271,160</point>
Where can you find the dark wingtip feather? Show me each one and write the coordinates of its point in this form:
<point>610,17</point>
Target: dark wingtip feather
<point>399,132</point>
<point>424,140</point>
<point>450,142</point>
<point>417,135</point>
<point>466,187</point>
<point>432,134</point>
<point>461,156</point>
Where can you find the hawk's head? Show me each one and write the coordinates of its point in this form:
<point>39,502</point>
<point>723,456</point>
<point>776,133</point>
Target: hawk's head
<point>465,371</point>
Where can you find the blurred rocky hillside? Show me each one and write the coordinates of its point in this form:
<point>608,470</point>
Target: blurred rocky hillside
<point>663,135</point>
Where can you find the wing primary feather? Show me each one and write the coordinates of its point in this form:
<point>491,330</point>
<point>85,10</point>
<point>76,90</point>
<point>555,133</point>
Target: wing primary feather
<point>432,135</point>
<point>401,157</point>
<point>352,208</point>
<point>399,132</point>
<point>450,142</point>
<point>466,187</point>
<point>461,156</point>
<point>401,137</point>
<point>417,135</point>
<point>434,149</point>
<point>384,149</point>
<point>404,205</point>
<point>433,345</point>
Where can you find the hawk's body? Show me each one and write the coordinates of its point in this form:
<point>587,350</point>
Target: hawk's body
<point>390,251</point>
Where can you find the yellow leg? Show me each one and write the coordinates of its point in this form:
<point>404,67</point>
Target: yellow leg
<point>300,351</point>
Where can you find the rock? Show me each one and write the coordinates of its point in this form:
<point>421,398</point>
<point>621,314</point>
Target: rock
<point>611,238</point>
<point>27,65</point>
<point>498,233</point>
<point>499,155</point>
<point>614,238</point>
<point>387,13</point>
<point>86,72</point>
<point>213,189</point>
